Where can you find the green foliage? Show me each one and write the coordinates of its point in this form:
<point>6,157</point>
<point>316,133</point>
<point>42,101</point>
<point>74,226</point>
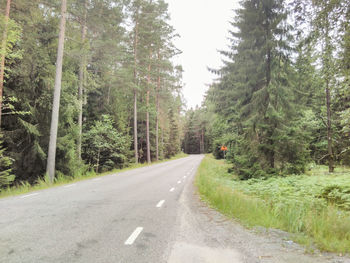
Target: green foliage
<point>174,138</point>
<point>104,147</point>
<point>255,94</point>
<point>107,61</point>
<point>338,195</point>
<point>269,103</point>
<point>217,152</point>
<point>6,176</point>
<point>309,206</point>
<point>13,36</point>
<point>191,139</point>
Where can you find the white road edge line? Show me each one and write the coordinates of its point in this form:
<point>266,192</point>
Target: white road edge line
<point>96,179</point>
<point>159,205</point>
<point>172,189</point>
<point>25,196</point>
<point>69,185</point>
<point>179,182</point>
<point>133,236</point>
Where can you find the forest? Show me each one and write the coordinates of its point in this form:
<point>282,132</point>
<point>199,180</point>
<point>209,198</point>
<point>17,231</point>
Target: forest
<point>86,85</point>
<point>90,85</point>
<point>281,101</point>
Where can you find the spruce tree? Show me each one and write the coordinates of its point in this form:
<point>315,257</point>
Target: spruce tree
<point>256,90</point>
<point>6,176</point>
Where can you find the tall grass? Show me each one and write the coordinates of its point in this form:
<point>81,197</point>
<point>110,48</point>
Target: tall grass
<point>44,183</point>
<point>311,221</point>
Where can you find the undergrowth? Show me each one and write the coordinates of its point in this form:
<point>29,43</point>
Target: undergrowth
<point>314,207</point>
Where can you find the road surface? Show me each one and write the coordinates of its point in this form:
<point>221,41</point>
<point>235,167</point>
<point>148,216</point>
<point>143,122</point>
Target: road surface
<point>150,214</point>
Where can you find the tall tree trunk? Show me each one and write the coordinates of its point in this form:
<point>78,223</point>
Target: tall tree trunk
<point>327,65</point>
<point>157,127</point>
<point>81,80</point>
<point>136,151</point>
<point>3,52</point>
<point>135,128</point>
<point>202,141</point>
<point>157,112</point>
<point>329,130</point>
<point>50,169</point>
<point>98,159</point>
<point>271,152</point>
<point>147,114</point>
<point>162,140</point>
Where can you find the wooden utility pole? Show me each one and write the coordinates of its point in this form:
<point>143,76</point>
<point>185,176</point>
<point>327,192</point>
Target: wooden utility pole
<point>81,78</point>
<point>50,169</point>
<point>3,52</point>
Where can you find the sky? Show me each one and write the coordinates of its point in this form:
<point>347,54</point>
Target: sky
<point>203,27</point>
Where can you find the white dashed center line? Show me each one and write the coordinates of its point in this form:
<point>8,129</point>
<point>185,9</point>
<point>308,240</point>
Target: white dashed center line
<point>133,236</point>
<point>159,205</point>
<point>172,189</point>
<point>25,196</point>
<point>185,177</point>
<point>179,182</point>
<point>69,185</point>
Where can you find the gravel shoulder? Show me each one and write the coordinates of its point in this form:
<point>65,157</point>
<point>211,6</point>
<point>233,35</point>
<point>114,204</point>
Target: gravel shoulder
<point>205,235</point>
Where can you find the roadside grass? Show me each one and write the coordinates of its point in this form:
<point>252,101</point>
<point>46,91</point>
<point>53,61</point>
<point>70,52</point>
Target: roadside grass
<point>44,183</point>
<point>305,205</point>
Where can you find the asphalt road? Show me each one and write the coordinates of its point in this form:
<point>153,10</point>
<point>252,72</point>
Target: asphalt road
<point>93,220</point>
<point>150,214</point>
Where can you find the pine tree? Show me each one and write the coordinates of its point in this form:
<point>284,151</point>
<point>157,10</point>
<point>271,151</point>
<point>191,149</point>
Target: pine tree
<point>82,69</point>
<point>136,5</point>
<point>51,159</point>
<point>98,78</point>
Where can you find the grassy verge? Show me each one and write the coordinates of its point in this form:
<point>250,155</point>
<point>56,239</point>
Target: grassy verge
<point>296,204</point>
<point>62,180</point>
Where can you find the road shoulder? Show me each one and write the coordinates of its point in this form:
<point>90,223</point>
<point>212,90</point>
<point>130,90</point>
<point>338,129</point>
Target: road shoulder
<point>205,235</point>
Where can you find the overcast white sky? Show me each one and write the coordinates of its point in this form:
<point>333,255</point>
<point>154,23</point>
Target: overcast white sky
<point>203,26</point>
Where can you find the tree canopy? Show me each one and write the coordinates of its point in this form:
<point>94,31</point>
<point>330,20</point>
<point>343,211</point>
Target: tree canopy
<point>113,49</point>
<point>281,98</point>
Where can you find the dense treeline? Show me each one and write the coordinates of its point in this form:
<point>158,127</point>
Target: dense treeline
<point>120,95</point>
<point>281,100</point>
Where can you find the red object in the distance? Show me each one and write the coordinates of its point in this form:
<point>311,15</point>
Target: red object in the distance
<point>223,148</point>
